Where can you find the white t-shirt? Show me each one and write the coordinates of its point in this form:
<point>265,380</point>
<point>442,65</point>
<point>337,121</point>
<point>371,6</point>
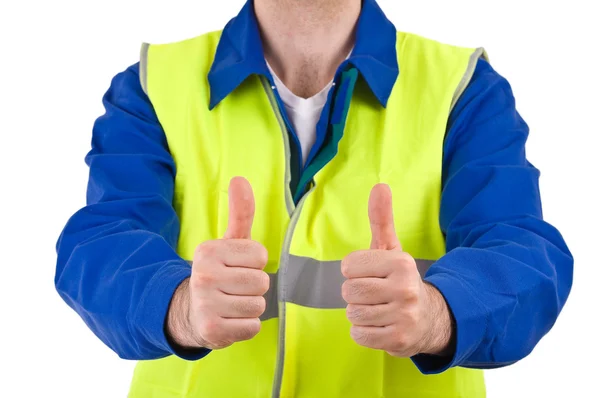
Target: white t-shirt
<point>303,113</point>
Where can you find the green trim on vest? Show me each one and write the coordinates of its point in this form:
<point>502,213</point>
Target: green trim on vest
<point>338,121</point>
<point>304,349</point>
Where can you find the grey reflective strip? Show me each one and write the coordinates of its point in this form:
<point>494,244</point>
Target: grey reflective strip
<point>289,200</point>
<point>144,67</point>
<point>318,284</point>
<point>464,82</point>
<point>312,283</point>
<point>272,310</point>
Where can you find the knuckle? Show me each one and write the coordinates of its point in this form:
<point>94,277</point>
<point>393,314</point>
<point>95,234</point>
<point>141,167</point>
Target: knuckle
<point>264,282</point>
<point>248,331</point>
<point>410,293</point>
<point>202,280</point>
<point>355,313</point>
<point>255,253</point>
<point>204,250</point>
<point>404,259</point>
<point>360,336</point>
<point>356,260</point>
<point>256,306</point>
<point>402,340</point>
<point>346,266</point>
<point>254,327</point>
<point>355,288</point>
<point>262,305</point>
<point>262,255</point>
<point>222,344</point>
<point>239,246</point>
<point>202,307</point>
<point>368,258</point>
<point>346,291</point>
<point>211,330</point>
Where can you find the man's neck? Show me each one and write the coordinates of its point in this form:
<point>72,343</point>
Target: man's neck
<point>306,40</point>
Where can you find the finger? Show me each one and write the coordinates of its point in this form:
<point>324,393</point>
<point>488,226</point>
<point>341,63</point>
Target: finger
<point>367,291</point>
<point>240,329</point>
<point>244,282</point>
<point>241,209</point>
<point>229,306</point>
<point>381,217</point>
<point>376,337</point>
<point>242,253</point>
<point>369,263</point>
<point>371,315</point>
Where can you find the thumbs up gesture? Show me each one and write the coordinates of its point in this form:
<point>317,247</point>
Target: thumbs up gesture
<point>223,300</point>
<point>389,305</point>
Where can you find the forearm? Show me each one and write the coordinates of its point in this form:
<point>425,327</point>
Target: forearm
<point>505,295</point>
<point>119,279</point>
<point>440,341</point>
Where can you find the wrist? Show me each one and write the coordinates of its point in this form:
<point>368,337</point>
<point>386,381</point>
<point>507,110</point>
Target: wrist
<point>440,324</point>
<point>178,322</point>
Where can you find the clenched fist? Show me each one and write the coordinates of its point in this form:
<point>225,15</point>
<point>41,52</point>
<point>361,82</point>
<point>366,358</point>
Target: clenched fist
<point>222,301</point>
<point>389,305</point>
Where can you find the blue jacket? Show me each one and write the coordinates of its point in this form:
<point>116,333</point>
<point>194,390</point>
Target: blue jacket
<point>507,273</point>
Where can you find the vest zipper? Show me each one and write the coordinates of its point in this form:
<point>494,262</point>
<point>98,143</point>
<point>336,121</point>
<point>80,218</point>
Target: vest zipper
<point>294,212</point>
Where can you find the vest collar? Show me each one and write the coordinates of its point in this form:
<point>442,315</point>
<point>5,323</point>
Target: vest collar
<point>240,53</point>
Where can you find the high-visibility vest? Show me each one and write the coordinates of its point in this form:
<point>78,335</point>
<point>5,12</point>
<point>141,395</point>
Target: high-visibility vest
<point>304,348</point>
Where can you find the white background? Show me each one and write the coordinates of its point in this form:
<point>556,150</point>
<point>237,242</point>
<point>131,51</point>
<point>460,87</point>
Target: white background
<point>56,62</point>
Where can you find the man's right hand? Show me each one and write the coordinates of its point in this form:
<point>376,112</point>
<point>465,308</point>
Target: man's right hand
<point>222,301</point>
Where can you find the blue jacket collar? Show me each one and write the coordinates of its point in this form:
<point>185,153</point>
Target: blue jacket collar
<point>240,53</point>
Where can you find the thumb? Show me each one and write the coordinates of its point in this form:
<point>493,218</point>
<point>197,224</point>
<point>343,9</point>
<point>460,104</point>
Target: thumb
<point>381,217</point>
<point>241,209</point>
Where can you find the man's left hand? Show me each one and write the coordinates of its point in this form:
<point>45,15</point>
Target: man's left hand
<point>390,307</point>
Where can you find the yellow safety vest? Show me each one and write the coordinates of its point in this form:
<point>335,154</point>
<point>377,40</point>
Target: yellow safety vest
<point>304,348</point>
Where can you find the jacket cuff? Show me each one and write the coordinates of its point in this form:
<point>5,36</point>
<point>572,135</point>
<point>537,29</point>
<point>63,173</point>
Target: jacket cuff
<point>469,315</point>
<point>151,314</point>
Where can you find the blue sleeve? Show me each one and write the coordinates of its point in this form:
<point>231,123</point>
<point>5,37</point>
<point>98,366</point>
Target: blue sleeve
<point>117,267</point>
<point>507,273</point>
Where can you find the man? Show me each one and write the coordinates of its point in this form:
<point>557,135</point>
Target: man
<point>266,156</point>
